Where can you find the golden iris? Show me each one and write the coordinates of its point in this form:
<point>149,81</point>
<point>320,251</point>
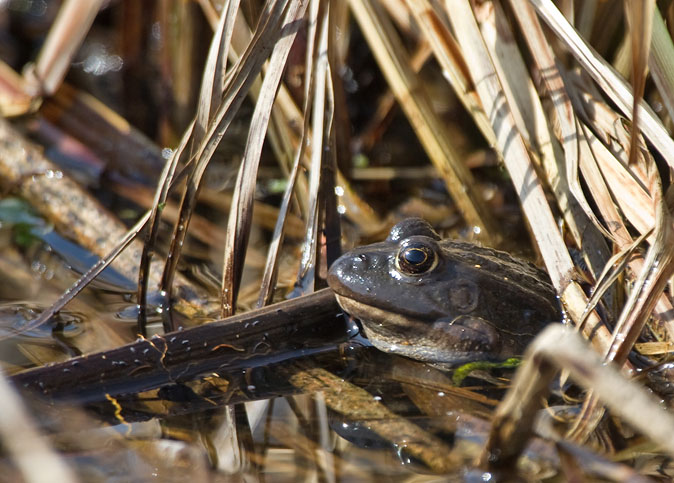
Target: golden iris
<point>415,259</point>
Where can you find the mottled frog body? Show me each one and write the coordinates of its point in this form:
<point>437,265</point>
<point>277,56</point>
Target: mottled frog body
<point>443,301</point>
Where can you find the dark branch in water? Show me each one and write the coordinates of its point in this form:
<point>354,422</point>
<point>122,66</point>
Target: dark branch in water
<point>293,328</point>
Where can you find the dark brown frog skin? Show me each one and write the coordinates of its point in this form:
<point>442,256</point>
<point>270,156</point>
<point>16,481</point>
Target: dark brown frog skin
<point>443,301</point>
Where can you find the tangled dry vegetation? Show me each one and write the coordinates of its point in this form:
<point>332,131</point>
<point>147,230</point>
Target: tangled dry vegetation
<point>573,100</point>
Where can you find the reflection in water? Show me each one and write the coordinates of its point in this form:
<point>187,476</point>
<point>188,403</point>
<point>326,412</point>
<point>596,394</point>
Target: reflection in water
<point>349,411</point>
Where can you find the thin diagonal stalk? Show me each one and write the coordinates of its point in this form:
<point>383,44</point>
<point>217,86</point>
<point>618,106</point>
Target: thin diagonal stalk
<point>161,195</point>
<point>213,81</point>
<point>87,277</point>
<point>211,92</point>
<point>318,115</point>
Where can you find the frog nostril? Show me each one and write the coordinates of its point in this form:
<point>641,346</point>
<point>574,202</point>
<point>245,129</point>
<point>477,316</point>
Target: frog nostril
<point>359,262</point>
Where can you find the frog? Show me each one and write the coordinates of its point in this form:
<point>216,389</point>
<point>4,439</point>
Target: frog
<point>443,301</point>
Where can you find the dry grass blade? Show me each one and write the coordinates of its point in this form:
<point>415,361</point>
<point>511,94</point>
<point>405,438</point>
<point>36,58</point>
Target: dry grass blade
<point>559,348</point>
<point>447,54</point>
<point>65,36</point>
<point>395,65</point>
<point>604,75</point>
<point>599,185</point>
<point>285,114</point>
<point>586,15</point>
<point>532,121</point>
<point>511,145</point>
<point>518,89</point>
<point>269,276</point>
<point>240,216</point>
<point>25,446</point>
<point>628,186</point>
<point>239,82</point>
<point>337,143</point>
<point>656,272</point>
<point>614,267</point>
<point>626,189</point>
<point>211,90</point>
<point>633,206</point>
<point>577,154</point>
<point>284,135</point>
<point>14,98</point>
<point>661,61</point>
<point>640,19</point>
<point>213,80</point>
<point>271,265</point>
<point>551,76</point>
<point>522,172</point>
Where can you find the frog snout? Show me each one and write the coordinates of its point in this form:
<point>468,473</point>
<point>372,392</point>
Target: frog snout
<point>348,271</point>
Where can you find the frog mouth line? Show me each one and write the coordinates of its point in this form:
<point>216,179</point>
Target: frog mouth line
<point>366,310</point>
<point>380,329</point>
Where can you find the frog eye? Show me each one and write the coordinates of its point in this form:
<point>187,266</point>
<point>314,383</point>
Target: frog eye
<point>415,259</point>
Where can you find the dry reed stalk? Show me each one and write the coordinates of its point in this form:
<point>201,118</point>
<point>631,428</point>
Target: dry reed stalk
<point>65,37</point>
<point>390,54</point>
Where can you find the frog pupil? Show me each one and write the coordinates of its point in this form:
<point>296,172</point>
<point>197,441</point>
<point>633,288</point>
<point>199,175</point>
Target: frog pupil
<point>415,256</point>
<point>415,260</point>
